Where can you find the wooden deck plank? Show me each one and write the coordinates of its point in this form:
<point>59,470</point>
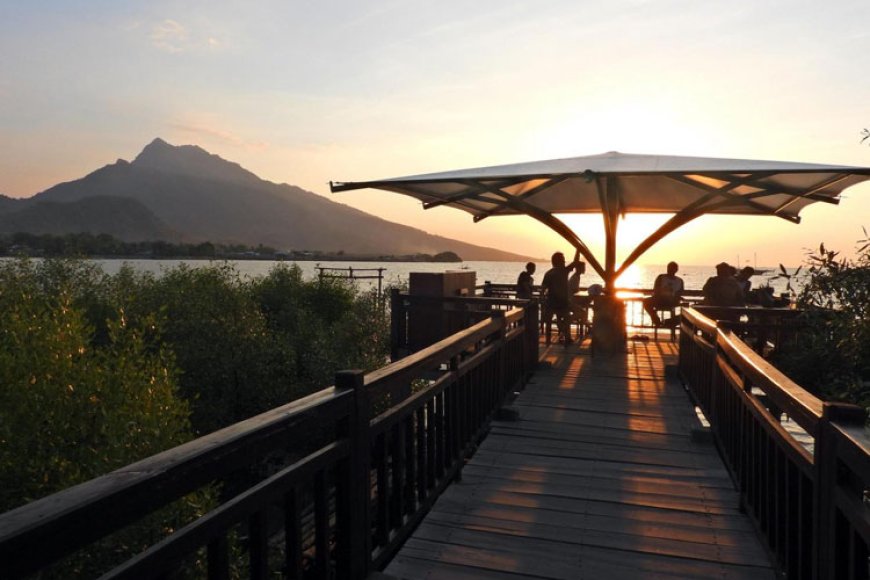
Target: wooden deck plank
<point>630,513</point>
<point>599,477</point>
<point>653,525</point>
<point>627,482</point>
<point>465,529</point>
<point>610,494</point>
<point>581,434</point>
<point>601,469</point>
<point>602,452</point>
<point>528,558</point>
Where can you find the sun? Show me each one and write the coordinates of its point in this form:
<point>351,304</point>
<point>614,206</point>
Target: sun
<point>631,231</point>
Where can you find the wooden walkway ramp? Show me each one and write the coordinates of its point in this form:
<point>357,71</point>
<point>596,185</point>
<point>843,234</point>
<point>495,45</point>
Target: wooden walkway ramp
<point>599,478</point>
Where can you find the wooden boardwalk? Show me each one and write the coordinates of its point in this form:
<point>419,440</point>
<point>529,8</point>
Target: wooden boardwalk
<point>599,478</point>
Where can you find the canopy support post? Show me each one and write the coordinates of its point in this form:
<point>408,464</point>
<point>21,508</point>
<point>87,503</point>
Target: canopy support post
<point>608,324</point>
<point>609,199</point>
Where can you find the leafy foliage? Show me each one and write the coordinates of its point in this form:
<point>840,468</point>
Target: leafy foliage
<point>788,277</point>
<point>231,368</point>
<point>99,371</point>
<point>831,357</point>
<point>245,346</point>
<point>69,410</point>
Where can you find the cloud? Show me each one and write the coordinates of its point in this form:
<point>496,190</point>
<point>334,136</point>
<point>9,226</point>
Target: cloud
<point>173,37</point>
<point>170,36</point>
<point>199,131</point>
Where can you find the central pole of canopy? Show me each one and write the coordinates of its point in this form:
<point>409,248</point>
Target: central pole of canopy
<point>610,210</point>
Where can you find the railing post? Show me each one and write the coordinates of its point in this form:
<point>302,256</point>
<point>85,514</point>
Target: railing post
<point>397,326</point>
<point>353,526</point>
<point>501,359</point>
<point>532,320</point>
<point>826,462</point>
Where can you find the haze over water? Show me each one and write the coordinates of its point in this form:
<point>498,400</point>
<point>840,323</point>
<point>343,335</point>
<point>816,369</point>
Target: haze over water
<point>638,276</point>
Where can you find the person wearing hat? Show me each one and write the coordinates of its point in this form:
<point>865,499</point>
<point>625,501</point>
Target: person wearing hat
<point>723,289</point>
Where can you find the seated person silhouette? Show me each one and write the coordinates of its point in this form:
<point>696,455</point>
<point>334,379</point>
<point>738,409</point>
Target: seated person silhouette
<point>526,282</point>
<point>723,289</point>
<point>667,290</point>
<point>743,278</point>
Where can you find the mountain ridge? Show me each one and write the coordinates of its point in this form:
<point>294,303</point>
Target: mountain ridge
<point>199,196</point>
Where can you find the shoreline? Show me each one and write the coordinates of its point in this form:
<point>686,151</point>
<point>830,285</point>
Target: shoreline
<point>253,258</point>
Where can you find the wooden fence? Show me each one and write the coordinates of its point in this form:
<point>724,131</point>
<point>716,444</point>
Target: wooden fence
<point>418,321</point>
<point>395,438</point>
<point>809,501</point>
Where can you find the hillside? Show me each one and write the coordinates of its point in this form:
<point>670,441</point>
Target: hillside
<point>123,218</point>
<point>203,197</point>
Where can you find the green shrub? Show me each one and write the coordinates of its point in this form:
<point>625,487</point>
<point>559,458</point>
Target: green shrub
<point>70,411</point>
<point>97,371</point>
<point>831,355</point>
<point>330,325</point>
<point>231,365</point>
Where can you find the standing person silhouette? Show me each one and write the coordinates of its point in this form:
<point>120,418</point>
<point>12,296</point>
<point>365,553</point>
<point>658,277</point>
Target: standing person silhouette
<point>557,296</point>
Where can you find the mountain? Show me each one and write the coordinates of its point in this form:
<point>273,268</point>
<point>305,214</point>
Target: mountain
<point>123,218</point>
<point>184,193</point>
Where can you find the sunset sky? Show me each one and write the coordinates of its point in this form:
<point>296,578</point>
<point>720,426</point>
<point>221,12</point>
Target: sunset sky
<point>307,92</point>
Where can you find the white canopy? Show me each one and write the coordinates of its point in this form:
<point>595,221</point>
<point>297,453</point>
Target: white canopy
<point>615,183</point>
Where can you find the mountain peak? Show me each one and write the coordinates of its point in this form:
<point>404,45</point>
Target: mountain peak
<point>191,160</point>
<point>156,145</point>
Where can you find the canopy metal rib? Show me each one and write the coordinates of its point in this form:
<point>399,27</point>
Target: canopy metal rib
<point>553,223</point>
<point>464,202</point>
<point>524,196</point>
<point>474,188</point>
<point>810,193</point>
<point>734,198</point>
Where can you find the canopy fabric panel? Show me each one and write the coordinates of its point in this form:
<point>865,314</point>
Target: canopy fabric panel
<point>635,183</point>
<point>614,184</point>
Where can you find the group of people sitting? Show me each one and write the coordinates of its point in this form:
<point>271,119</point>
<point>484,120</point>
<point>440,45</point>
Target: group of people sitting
<point>729,287</point>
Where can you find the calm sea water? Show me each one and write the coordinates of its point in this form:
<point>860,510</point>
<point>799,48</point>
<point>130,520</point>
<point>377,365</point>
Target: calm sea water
<point>639,276</point>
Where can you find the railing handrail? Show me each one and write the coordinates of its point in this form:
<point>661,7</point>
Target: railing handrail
<point>475,300</point>
<point>504,286</point>
<point>808,502</point>
<point>699,320</point>
<point>795,401</point>
<point>44,531</point>
<point>34,526</point>
<point>445,348</point>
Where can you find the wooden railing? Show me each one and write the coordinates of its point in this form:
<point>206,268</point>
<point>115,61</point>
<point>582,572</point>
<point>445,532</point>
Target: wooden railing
<point>807,500</point>
<point>418,321</point>
<point>382,446</point>
<point>635,316</point>
<point>763,329</point>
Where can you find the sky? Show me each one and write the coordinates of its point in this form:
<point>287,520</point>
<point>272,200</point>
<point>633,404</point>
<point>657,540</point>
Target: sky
<point>308,92</point>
